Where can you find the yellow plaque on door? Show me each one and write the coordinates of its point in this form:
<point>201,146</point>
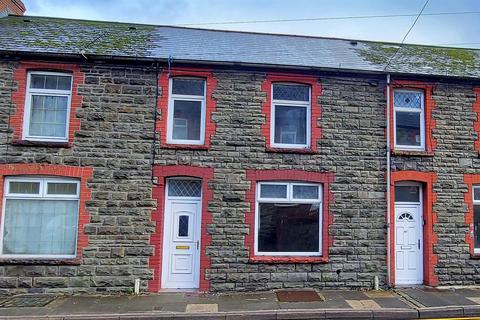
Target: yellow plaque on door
<point>182,247</point>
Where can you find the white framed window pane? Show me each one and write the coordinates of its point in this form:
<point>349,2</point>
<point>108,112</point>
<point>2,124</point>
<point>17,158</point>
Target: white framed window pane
<point>476,226</point>
<point>476,193</point>
<point>288,227</point>
<point>184,86</point>
<point>276,191</point>
<point>183,226</point>
<point>407,99</point>
<point>23,187</point>
<point>189,113</point>
<point>407,194</point>
<point>48,116</point>
<point>408,132</point>
<point>40,227</point>
<point>305,192</point>
<point>290,125</point>
<point>61,188</point>
<point>184,188</point>
<point>291,92</point>
<point>48,81</point>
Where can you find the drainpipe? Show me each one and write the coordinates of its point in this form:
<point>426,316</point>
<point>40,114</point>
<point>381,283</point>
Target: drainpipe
<point>388,182</point>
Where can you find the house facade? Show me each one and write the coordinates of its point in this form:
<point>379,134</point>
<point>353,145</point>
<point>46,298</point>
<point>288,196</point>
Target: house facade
<point>173,158</point>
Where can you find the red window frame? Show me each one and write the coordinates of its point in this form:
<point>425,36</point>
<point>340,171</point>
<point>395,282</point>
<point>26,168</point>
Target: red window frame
<point>18,99</point>
<point>210,105</point>
<point>430,124</point>
<point>326,179</point>
<point>315,91</point>
<point>82,173</point>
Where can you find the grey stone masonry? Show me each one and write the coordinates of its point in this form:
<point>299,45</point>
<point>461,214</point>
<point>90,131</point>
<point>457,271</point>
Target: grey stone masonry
<point>116,139</point>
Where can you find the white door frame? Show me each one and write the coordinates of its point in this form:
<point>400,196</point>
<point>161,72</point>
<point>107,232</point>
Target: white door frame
<point>168,226</point>
<point>420,224</point>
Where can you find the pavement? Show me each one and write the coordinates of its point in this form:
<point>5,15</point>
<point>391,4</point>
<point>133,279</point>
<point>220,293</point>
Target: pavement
<point>408,303</point>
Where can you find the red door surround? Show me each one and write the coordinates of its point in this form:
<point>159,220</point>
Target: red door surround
<point>430,259</point>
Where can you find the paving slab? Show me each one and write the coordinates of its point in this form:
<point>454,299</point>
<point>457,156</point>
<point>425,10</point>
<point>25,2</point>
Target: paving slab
<point>437,298</point>
<point>363,304</point>
<point>392,303</point>
<point>302,305</point>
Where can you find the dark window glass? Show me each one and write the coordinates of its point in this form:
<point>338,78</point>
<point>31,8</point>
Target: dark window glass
<point>273,191</point>
<point>195,87</point>
<point>46,81</point>
<point>288,227</point>
<point>291,92</point>
<point>408,128</point>
<point>476,193</point>
<point>187,120</point>
<point>290,125</point>
<point>305,192</point>
<point>183,226</point>
<point>476,227</point>
<point>407,194</point>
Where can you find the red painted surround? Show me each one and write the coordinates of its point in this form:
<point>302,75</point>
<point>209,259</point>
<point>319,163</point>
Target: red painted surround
<point>211,105</point>
<point>158,193</point>
<point>18,97</point>
<point>83,173</point>
<point>289,175</point>
<point>430,259</point>
<point>427,88</point>
<point>316,91</point>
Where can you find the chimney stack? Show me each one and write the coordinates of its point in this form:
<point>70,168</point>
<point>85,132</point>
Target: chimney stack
<point>11,7</point>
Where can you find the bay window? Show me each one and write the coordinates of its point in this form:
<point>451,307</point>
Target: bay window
<point>40,218</point>
<point>291,112</point>
<point>288,219</point>
<point>186,111</point>
<point>47,106</point>
<point>409,119</point>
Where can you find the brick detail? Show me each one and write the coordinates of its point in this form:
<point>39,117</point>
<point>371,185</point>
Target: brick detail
<point>83,173</point>
<point>325,179</point>
<point>476,124</point>
<point>430,124</point>
<point>430,239</point>
<point>156,239</point>
<point>210,103</point>
<point>316,91</point>
<point>18,96</point>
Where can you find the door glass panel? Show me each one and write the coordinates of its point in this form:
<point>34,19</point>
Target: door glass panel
<point>184,188</point>
<point>183,226</point>
<point>407,194</point>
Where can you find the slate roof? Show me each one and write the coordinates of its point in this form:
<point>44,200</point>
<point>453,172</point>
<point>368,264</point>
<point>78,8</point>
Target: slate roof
<point>43,35</point>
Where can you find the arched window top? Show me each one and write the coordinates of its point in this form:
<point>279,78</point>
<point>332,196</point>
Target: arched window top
<point>405,216</point>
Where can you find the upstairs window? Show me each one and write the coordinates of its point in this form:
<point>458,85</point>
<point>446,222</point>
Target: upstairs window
<point>47,106</point>
<point>40,218</point>
<point>476,219</point>
<point>291,112</point>
<point>186,111</point>
<point>409,120</point>
<point>288,219</point>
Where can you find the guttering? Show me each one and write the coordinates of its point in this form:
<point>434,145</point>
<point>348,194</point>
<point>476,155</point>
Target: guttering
<point>389,253</point>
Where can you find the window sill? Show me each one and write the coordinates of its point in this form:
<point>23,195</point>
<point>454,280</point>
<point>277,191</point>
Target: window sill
<point>48,144</point>
<point>283,259</point>
<point>289,150</point>
<point>186,146</point>
<point>37,261</point>
<point>415,153</point>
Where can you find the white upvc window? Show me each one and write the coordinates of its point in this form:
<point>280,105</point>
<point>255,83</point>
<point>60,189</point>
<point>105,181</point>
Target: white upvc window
<point>186,111</point>
<point>476,219</point>
<point>288,219</point>
<point>47,106</point>
<point>39,218</point>
<point>290,116</point>
<point>409,119</point>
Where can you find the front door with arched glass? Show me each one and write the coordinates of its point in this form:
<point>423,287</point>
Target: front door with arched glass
<point>181,241</point>
<point>408,234</point>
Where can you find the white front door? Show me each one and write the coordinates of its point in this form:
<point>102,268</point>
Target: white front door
<point>408,244</point>
<point>181,245</point>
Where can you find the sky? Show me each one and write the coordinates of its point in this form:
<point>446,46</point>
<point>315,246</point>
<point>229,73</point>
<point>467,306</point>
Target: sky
<point>461,30</point>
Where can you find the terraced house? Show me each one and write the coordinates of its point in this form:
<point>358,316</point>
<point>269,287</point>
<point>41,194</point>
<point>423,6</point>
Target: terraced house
<point>222,161</point>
